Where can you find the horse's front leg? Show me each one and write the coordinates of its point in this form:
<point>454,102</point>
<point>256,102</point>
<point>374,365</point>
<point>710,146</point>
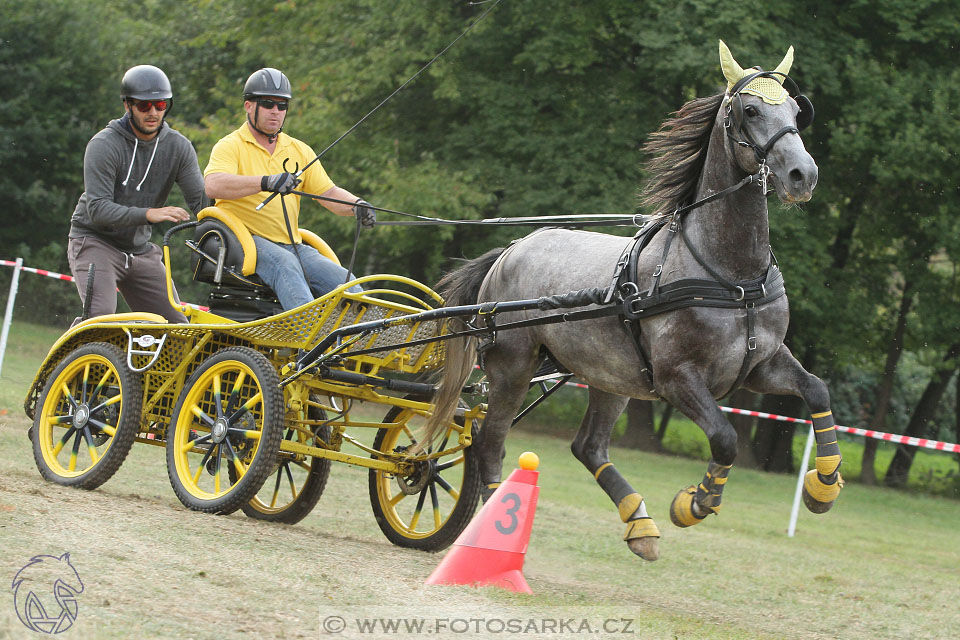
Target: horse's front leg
<point>683,387</point>
<point>591,447</point>
<point>782,374</point>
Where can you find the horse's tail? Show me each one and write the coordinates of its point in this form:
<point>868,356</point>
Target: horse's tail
<point>459,287</point>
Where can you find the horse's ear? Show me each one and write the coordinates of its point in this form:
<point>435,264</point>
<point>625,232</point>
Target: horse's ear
<point>732,71</point>
<point>785,64</point>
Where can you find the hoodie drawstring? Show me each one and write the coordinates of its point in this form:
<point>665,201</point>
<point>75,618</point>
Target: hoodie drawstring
<point>132,159</point>
<point>150,164</point>
<point>136,143</point>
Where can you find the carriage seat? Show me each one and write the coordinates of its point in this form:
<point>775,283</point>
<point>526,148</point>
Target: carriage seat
<point>225,256</point>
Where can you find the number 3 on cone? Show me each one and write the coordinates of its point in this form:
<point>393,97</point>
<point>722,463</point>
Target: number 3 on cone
<point>511,525</point>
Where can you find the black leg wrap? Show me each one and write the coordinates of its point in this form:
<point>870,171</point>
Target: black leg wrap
<point>615,485</point>
<point>828,450</point>
<point>710,490</point>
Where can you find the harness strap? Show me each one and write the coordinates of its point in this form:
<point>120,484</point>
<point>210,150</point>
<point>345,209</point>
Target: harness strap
<point>699,292</point>
<point>658,271</point>
<point>751,347</point>
<point>696,254</point>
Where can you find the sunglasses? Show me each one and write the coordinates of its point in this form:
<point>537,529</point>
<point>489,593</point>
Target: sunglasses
<point>143,106</point>
<point>270,104</point>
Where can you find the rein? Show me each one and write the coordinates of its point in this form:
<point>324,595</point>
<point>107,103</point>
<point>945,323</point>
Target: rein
<point>584,219</point>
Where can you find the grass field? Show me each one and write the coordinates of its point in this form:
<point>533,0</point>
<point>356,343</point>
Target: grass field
<point>881,564</point>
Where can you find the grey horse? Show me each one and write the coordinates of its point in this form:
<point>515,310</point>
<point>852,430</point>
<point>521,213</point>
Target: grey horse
<point>694,354</point>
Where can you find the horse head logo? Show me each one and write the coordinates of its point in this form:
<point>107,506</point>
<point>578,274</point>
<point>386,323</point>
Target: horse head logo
<point>45,594</point>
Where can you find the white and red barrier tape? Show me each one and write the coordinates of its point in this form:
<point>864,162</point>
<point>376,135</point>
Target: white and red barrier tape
<point>867,433</point>
<point>60,276</point>
<point>39,272</point>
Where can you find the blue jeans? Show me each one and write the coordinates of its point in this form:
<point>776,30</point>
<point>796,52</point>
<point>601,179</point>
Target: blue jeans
<point>277,266</point>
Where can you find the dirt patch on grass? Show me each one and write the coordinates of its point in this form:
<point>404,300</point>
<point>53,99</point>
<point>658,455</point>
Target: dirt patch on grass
<point>151,568</point>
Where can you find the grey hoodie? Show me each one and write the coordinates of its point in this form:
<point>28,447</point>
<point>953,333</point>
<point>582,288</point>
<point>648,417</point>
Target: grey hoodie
<point>124,176</point>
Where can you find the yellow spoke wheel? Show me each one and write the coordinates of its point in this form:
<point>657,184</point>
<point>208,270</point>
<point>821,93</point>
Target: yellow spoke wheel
<point>430,507</point>
<point>291,492</point>
<point>229,416</point>
<point>87,417</point>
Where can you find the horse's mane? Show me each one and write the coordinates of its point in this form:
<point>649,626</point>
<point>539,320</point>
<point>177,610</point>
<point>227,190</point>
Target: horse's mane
<point>677,152</point>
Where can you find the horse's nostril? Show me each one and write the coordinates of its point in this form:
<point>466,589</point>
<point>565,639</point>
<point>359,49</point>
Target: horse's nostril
<point>796,176</point>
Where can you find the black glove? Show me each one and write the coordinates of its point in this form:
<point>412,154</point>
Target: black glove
<point>365,213</point>
<point>282,183</point>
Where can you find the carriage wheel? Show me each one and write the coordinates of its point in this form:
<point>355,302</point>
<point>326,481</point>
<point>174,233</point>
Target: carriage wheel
<point>294,488</point>
<point>429,508</point>
<point>88,417</point>
<point>230,414</point>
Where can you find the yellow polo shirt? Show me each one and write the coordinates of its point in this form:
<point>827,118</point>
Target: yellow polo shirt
<point>240,154</point>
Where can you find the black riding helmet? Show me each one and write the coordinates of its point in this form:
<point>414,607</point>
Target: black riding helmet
<point>266,82</point>
<point>146,82</point>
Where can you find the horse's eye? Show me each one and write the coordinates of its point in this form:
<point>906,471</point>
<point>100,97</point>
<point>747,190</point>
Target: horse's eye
<point>751,111</point>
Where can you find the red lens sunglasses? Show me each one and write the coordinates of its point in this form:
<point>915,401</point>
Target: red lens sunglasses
<point>143,106</point>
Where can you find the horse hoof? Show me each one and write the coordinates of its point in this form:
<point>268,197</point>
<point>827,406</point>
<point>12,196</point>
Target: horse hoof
<point>647,548</point>
<point>681,509</point>
<point>817,496</point>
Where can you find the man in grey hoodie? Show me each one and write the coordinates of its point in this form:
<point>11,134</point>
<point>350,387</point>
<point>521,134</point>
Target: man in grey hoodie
<point>128,170</point>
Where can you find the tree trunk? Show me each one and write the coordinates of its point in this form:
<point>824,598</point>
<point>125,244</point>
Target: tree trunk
<point>743,425</point>
<point>773,442</point>
<point>668,413</point>
<point>899,469</point>
<point>868,473</point>
<point>640,432</point>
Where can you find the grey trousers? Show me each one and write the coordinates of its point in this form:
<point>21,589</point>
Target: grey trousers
<point>140,278</point>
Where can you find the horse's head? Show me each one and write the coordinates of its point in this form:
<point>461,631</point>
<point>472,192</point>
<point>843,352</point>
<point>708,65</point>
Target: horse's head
<point>763,113</point>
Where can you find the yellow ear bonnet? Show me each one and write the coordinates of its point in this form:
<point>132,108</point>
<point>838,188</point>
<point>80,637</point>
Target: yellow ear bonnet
<point>770,90</point>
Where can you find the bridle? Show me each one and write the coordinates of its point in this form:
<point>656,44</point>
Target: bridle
<point>733,118</point>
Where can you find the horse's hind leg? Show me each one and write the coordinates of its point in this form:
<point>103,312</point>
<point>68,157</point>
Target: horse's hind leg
<point>590,447</point>
<point>685,390</point>
<point>782,374</point>
<point>509,370</point>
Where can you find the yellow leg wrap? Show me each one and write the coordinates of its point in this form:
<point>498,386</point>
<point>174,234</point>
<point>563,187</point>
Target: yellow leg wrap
<point>681,509</point>
<point>817,496</point>
<point>629,505</point>
<point>826,465</point>
<point>641,528</point>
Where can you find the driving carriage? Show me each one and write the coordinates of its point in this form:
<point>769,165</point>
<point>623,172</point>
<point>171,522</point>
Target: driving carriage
<point>253,404</point>
<point>245,429</point>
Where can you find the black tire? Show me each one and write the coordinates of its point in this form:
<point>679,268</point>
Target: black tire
<point>244,436</point>
<point>398,512</point>
<point>79,398</point>
<point>305,479</point>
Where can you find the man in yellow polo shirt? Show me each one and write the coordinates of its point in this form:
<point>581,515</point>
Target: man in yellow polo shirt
<point>249,162</point>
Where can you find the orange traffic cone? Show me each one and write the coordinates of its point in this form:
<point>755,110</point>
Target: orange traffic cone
<point>491,549</point>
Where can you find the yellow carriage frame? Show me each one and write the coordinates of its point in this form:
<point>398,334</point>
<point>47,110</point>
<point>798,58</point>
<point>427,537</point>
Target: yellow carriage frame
<point>167,358</point>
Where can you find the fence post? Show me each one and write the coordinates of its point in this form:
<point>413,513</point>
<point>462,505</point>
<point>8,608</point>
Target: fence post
<point>8,316</point>
<point>803,472</point>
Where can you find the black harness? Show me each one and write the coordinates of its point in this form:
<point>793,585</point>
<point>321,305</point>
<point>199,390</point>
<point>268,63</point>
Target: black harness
<point>719,292</point>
